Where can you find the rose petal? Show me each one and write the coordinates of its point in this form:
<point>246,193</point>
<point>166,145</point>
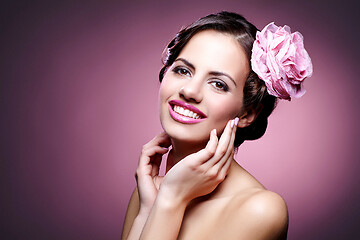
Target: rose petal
<point>280,59</point>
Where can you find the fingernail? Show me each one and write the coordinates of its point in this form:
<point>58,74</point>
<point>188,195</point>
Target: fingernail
<point>232,123</point>
<point>236,120</point>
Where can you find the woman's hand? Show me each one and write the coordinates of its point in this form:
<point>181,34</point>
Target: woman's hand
<point>147,173</point>
<point>200,173</point>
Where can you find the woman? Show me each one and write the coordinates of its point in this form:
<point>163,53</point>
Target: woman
<point>211,100</point>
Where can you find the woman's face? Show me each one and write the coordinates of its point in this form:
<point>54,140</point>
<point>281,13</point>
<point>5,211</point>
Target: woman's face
<point>203,88</point>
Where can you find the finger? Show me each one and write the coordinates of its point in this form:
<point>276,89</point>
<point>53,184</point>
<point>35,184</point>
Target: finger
<point>222,146</point>
<point>213,141</point>
<point>162,140</point>
<point>206,153</point>
<point>225,169</point>
<point>147,153</point>
<point>156,162</point>
<point>225,139</point>
<point>150,164</point>
<point>165,140</point>
<point>211,146</point>
<point>230,150</point>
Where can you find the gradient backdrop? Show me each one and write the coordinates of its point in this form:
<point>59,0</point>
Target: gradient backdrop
<point>79,99</point>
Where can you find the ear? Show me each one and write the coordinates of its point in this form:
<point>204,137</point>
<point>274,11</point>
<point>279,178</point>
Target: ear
<point>247,118</point>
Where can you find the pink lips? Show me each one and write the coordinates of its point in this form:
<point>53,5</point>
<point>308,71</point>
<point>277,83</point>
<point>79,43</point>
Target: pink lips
<point>184,119</point>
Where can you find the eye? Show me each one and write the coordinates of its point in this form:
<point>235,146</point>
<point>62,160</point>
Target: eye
<point>182,71</point>
<point>219,85</point>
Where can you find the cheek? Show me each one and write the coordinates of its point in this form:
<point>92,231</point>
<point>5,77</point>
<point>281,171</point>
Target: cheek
<point>167,91</point>
<point>164,91</point>
<point>168,87</point>
<point>162,97</point>
<point>161,93</point>
<point>225,109</point>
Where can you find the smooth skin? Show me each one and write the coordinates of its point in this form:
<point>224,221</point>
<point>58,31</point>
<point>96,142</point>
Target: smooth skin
<point>180,212</point>
<point>205,193</point>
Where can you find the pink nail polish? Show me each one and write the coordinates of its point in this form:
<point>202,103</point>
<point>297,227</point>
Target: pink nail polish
<point>232,123</point>
<point>236,120</point>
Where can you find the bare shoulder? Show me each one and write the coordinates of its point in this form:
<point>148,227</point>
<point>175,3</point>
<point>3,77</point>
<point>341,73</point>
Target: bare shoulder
<point>267,205</point>
<point>262,214</point>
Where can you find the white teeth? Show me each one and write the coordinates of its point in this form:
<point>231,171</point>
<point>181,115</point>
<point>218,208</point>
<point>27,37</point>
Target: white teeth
<point>186,112</point>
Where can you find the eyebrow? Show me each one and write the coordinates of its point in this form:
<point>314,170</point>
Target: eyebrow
<point>214,73</point>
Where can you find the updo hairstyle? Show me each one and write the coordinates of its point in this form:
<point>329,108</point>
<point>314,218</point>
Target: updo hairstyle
<point>256,98</point>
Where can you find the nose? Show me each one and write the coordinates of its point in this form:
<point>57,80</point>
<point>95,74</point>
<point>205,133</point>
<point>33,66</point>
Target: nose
<point>192,91</point>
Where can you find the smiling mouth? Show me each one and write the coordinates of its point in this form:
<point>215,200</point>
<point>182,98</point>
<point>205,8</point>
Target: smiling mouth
<point>185,113</point>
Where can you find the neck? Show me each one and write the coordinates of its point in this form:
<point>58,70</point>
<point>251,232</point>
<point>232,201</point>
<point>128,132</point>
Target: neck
<point>180,150</point>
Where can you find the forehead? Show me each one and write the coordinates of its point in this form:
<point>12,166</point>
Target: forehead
<point>210,50</point>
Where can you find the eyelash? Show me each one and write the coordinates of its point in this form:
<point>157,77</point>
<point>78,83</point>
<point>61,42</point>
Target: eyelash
<point>223,86</point>
<point>178,70</point>
<point>185,72</point>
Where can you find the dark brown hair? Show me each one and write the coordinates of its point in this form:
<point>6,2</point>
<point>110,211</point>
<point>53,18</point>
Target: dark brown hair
<point>256,98</point>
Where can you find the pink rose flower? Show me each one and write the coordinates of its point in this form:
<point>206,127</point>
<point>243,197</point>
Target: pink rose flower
<point>280,59</point>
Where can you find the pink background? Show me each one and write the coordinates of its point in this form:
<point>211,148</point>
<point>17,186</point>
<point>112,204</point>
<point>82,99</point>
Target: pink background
<point>79,98</point>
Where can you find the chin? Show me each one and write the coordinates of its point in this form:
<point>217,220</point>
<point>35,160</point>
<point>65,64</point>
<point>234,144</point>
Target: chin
<point>188,134</point>
<point>193,139</point>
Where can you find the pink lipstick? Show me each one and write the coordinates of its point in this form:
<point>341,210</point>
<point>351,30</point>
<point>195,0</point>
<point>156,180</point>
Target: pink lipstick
<point>184,112</point>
